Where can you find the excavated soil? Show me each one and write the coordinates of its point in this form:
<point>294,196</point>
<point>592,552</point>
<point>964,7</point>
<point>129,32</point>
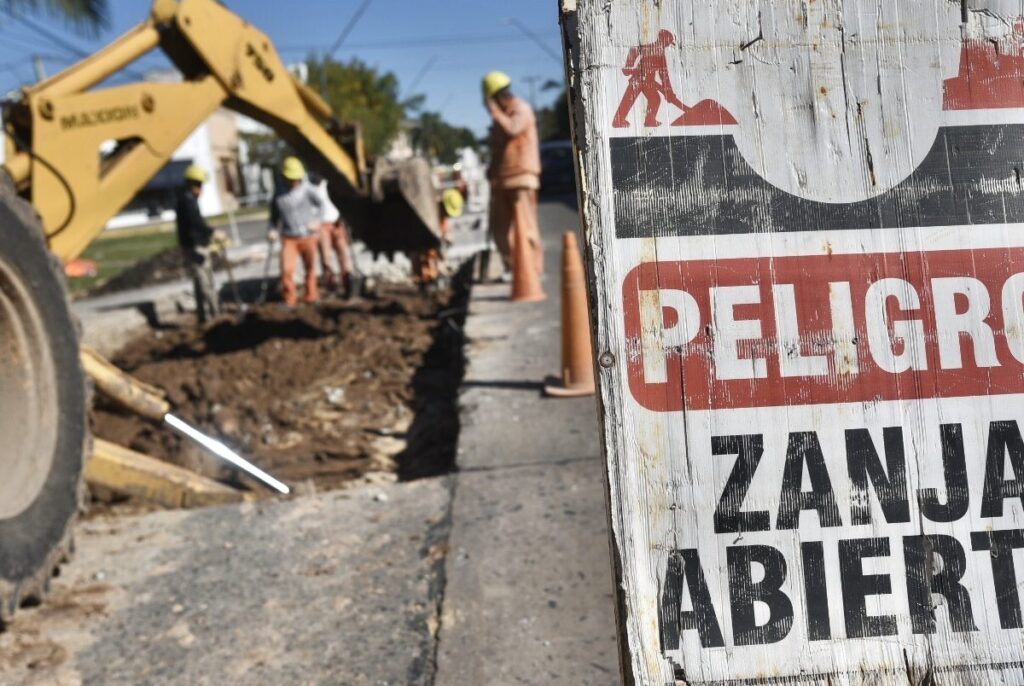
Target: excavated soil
<point>319,396</point>
<point>164,267</point>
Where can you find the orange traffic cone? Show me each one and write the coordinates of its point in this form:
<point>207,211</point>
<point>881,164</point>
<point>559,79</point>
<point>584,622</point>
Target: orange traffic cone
<point>526,286</point>
<point>577,354</point>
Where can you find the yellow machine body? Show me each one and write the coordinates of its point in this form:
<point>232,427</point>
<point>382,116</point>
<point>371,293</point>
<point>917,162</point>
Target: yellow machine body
<point>56,132</point>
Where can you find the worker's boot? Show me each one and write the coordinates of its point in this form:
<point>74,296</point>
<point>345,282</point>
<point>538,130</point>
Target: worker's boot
<point>353,286</point>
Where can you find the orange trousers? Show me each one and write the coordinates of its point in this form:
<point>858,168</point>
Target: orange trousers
<point>334,239</point>
<point>514,214</point>
<point>426,264</point>
<point>291,250</point>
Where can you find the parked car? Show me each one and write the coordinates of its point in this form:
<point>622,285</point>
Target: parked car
<point>558,175</point>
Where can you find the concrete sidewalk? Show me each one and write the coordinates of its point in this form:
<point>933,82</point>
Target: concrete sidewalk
<point>528,596</point>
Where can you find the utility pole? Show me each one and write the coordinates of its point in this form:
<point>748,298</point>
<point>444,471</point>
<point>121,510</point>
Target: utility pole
<point>37,62</point>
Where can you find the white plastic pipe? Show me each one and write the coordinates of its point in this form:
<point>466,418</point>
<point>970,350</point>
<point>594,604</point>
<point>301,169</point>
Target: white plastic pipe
<point>224,452</point>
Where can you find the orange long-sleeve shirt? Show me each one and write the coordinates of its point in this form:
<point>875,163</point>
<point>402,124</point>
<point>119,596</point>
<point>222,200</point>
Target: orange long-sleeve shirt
<point>515,146</point>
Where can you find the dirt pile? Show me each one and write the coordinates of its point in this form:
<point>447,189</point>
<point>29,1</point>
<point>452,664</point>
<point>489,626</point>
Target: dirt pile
<point>164,267</point>
<point>316,395</point>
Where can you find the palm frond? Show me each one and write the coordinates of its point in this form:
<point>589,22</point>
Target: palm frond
<point>83,14</point>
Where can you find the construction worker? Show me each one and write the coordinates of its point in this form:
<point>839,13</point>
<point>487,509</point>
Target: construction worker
<point>295,218</point>
<point>427,265</point>
<point>514,172</point>
<point>194,238</point>
<point>334,240</point>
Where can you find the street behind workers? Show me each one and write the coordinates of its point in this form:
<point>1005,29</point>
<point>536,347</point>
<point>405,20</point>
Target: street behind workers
<point>514,174</point>
<point>296,216</point>
<point>194,238</point>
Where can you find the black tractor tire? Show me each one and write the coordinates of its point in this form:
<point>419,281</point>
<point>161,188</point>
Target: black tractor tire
<point>44,430</point>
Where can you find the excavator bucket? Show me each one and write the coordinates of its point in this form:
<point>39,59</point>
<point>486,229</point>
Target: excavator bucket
<point>404,207</point>
<point>400,212</point>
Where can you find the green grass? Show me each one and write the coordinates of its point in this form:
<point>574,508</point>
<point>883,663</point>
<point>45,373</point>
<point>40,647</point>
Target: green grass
<point>113,254</point>
<point>116,251</point>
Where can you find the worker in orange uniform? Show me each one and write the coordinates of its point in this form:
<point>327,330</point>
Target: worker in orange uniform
<point>295,218</point>
<point>338,273</point>
<point>334,238</point>
<point>427,264</point>
<point>515,170</point>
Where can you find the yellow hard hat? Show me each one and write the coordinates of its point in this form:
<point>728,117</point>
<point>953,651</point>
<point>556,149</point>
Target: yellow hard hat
<point>453,202</point>
<point>496,81</point>
<point>292,169</point>
<point>196,174</point>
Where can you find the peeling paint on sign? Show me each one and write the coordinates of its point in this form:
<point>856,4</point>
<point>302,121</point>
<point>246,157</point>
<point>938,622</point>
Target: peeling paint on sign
<point>805,239</point>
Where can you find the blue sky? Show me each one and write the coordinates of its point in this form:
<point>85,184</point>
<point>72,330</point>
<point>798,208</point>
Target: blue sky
<point>412,38</point>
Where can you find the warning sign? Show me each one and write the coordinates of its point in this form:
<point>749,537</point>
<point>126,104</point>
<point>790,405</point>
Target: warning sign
<point>805,230</point>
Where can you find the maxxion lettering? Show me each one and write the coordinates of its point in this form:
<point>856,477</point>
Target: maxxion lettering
<point>825,329</point>
<point>109,115</point>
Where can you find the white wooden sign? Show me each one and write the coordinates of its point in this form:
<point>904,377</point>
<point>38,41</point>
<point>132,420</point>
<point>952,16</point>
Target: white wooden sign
<point>805,238</point>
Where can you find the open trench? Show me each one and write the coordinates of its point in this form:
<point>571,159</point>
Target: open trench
<point>323,397</point>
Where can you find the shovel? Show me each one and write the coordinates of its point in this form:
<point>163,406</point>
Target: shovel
<point>242,307</point>
<point>265,286</point>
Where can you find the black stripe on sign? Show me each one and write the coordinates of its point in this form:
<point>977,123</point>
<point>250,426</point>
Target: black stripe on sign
<point>701,186</point>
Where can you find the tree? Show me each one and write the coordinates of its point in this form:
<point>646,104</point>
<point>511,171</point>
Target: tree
<point>437,137</point>
<point>88,14</point>
<point>553,120</point>
<point>360,93</point>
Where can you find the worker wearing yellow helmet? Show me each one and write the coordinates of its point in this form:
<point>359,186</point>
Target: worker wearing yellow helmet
<point>194,239</point>
<point>296,215</point>
<point>514,172</point>
<point>428,266</point>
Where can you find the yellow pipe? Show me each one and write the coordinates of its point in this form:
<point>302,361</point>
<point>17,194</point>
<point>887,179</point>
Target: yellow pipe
<point>122,388</point>
<point>105,63</point>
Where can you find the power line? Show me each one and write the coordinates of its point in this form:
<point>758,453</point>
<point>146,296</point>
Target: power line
<point>348,28</point>
<point>534,37</point>
<point>63,43</point>
<point>441,40</point>
<point>419,76</point>
<point>20,40</point>
<point>60,41</point>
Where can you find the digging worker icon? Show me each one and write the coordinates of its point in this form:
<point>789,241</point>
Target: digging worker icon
<point>647,69</point>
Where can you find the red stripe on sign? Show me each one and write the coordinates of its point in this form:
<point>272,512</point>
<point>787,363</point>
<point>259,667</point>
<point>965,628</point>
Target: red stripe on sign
<point>825,329</point>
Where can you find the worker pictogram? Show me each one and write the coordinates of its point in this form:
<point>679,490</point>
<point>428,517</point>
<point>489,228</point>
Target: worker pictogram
<point>990,75</point>
<point>647,69</point>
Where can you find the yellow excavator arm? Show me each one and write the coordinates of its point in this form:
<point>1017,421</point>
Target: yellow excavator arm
<point>59,133</point>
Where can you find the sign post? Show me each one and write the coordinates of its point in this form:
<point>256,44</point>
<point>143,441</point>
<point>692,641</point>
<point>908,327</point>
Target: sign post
<point>804,227</point>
